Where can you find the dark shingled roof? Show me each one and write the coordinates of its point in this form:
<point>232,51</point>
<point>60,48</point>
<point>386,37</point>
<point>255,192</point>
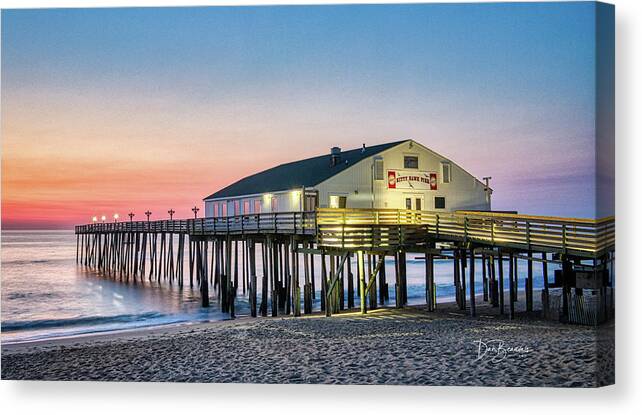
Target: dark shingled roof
<point>294,175</point>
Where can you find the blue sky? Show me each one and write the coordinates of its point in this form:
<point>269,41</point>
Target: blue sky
<point>203,96</point>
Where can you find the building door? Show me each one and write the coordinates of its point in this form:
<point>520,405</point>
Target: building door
<point>310,202</point>
<point>414,201</point>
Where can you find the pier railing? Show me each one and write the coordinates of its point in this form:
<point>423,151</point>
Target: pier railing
<point>282,222</point>
<point>384,228</point>
<point>389,228</point>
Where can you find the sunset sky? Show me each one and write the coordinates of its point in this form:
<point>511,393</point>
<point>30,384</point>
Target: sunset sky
<point>112,110</point>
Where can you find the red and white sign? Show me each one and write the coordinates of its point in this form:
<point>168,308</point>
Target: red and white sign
<point>433,181</point>
<point>412,179</point>
<point>392,179</point>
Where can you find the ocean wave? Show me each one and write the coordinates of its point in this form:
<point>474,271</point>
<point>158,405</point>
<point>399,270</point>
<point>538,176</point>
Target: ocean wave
<point>31,295</point>
<point>8,326</point>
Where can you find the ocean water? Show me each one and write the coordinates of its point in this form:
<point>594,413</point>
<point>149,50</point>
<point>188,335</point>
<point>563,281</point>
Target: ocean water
<point>45,294</point>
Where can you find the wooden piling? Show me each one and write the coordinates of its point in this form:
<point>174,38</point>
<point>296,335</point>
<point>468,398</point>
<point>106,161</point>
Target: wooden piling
<point>545,277</point>
<point>251,250</point>
<point>484,277</point>
<point>529,282</point>
<point>307,286</point>
<point>473,311</point>
<point>264,284</point>
<point>362,280</point>
<point>463,259</point>
<point>430,278</point>
<point>296,289</point>
<point>383,285</point>
<point>457,280</point>
<point>324,282</point>
<point>511,280</point>
<point>350,284</point>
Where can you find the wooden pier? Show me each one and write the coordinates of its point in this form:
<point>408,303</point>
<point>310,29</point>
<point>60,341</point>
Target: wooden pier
<point>353,245</point>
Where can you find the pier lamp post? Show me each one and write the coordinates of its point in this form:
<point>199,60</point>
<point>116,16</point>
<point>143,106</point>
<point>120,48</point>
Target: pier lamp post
<point>116,216</point>
<point>148,214</point>
<point>131,216</point>
<point>195,210</point>
<point>102,218</point>
<point>94,219</point>
<point>171,214</point>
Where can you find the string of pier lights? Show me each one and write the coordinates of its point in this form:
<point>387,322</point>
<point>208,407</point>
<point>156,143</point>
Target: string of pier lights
<point>148,213</point>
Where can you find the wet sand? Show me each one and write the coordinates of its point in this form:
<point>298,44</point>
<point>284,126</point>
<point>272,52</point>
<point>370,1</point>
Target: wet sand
<point>387,346</point>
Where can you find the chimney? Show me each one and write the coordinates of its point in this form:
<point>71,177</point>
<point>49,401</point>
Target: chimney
<point>335,156</point>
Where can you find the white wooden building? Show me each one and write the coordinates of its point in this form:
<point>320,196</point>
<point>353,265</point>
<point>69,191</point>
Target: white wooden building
<point>397,175</point>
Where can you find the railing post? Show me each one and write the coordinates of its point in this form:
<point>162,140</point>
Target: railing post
<point>465,228</point>
<point>492,230</point>
<point>437,225</point>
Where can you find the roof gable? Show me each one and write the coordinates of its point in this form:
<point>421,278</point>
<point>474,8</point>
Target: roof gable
<point>294,175</point>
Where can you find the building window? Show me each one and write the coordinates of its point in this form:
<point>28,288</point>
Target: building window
<point>410,162</point>
<point>246,207</point>
<point>237,208</point>
<point>216,210</point>
<point>408,203</point>
<point>440,202</point>
<point>445,173</point>
<point>338,202</point>
<point>418,203</point>
<point>274,204</point>
<point>224,209</point>
<point>257,206</point>
<point>378,169</point>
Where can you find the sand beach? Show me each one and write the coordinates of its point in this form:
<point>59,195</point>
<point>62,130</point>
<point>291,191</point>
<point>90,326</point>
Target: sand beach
<point>388,346</point>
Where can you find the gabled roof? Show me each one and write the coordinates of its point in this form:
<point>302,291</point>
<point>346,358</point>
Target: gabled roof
<point>294,175</point>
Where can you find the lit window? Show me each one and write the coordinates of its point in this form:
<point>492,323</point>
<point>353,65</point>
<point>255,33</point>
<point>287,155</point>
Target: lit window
<point>246,207</point>
<point>445,172</point>
<point>257,206</point>
<point>410,162</point>
<point>440,202</point>
<point>237,208</point>
<point>224,209</point>
<point>338,202</point>
<point>295,195</point>
<point>378,169</point>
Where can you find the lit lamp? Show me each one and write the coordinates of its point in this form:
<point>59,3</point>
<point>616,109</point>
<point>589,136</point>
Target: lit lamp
<point>94,219</point>
<point>116,216</point>
<point>195,210</point>
<point>171,214</point>
<point>102,218</point>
